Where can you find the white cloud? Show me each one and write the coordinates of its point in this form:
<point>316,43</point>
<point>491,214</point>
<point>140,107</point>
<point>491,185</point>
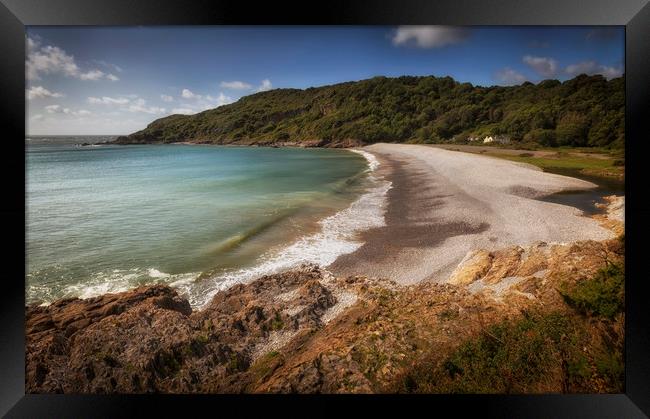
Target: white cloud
<point>108,65</point>
<point>139,105</point>
<point>124,104</point>
<point>32,43</point>
<point>67,111</point>
<point>592,67</point>
<point>220,100</point>
<point>508,76</point>
<point>544,66</point>
<point>187,94</point>
<point>106,100</point>
<point>184,111</point>
<point>112,77</point>
<point>91,75</point>
<point>36,117</point>
<point>430,36</point>
<point>236,85</point>
<point>202,102</point>
<point>41,92</point>
<point>266,85</point>
<point>90,124</point>
<point>48,60</point>
<point>167,98</point>
<point>54,60</point>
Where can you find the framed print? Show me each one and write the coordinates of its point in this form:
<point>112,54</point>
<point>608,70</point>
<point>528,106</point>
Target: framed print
<point>408,203</point>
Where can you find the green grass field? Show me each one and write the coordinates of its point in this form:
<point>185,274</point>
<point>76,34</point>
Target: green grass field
<point>595,162</point>
<point>610,167</point>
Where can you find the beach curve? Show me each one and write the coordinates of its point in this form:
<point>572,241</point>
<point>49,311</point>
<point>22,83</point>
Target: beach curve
<point>445,204</point>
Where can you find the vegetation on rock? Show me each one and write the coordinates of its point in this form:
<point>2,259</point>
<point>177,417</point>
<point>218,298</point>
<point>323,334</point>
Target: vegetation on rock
<point>602,296</point>
<point>575,347</point>
<point>525,356</point>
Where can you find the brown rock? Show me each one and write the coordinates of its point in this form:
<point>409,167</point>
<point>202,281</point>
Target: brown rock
<point>149,340</point>
<point>504,264</point>
<point>472,269</point>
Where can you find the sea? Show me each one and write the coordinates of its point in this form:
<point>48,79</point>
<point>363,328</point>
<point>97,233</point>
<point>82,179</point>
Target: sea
<point>104,218</point>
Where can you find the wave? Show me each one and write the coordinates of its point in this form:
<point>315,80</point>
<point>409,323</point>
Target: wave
<point>373,163</point>
<point>339,235</point>
<point>239,238</point>
<point>155,273</point>
<point>107,282</point>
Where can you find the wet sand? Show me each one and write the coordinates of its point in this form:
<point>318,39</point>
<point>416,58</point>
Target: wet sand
<point>444,204</point>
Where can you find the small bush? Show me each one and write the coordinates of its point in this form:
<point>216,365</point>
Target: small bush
<point>603,296</point>
<point>611,367</point>
<point>509,357</point>
<point>538,353</point>
<point>448,314</point>
<point>277,323</point>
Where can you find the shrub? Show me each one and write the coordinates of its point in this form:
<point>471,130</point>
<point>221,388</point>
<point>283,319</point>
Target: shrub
<point>537,353</point>
<point>508,357</point>
<point>603,295</point>
<point>276,322</point>
<point>610,365</point>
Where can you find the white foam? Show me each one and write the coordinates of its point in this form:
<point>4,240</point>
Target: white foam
<point>155,273</point>
<point>120,280</point>
<point>373,163</point>
<point>339,235</point>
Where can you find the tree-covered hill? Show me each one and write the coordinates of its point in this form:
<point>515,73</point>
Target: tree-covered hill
<point>584,111</point>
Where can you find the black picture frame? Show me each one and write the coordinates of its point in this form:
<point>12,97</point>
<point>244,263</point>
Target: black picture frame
<point>16,14</point>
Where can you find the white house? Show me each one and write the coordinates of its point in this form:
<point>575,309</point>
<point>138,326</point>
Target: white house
<point>502,139</point>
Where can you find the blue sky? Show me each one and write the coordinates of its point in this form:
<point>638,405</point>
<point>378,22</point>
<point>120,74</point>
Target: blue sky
<point>116,80</point>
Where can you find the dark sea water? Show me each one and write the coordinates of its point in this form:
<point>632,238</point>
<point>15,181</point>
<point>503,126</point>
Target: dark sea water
<point>105,218</point>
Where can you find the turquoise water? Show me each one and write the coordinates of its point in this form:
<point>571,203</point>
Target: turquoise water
<point>108,218</point>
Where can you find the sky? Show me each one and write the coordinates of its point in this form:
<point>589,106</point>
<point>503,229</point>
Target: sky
<point>116,80</point>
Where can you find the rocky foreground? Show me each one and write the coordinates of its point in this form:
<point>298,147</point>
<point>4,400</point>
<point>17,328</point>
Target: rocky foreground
<point>508,321</point>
